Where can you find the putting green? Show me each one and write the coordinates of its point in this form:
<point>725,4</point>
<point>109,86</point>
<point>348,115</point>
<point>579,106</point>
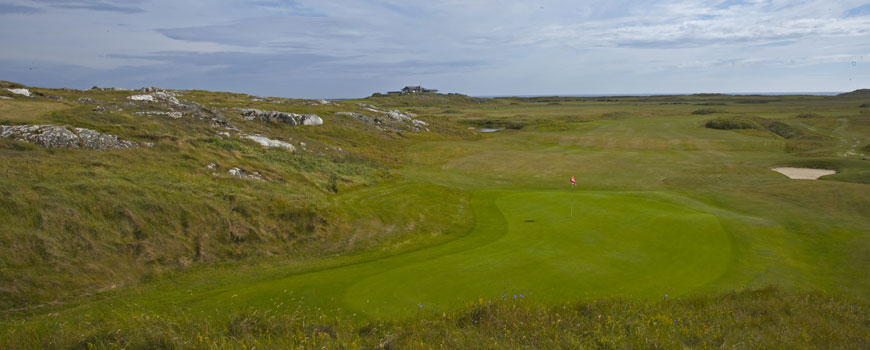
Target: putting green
<point>617,243</point>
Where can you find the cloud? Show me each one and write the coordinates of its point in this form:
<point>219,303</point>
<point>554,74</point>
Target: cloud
<point>93,5</point>
<point>272,31</point>
<point>7,9</point>
<point>344,48</point>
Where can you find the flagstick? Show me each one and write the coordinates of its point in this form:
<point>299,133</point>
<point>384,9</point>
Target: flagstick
<point>572,200</point>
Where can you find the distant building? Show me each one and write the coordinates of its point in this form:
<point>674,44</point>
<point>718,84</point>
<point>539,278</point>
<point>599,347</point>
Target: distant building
<point>416,89</point>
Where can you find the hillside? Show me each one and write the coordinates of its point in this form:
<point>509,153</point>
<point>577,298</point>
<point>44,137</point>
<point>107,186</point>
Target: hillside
<point>197,186</point>
<point>856,93</point>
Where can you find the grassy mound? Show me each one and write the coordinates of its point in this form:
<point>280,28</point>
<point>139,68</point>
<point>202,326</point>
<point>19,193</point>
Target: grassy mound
<point>808,115</point>
<point>732,123</point>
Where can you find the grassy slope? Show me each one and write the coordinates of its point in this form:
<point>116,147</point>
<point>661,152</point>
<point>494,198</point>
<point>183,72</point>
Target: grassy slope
<point>665,206</point>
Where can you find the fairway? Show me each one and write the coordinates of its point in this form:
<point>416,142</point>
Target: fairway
<point>525,244</point>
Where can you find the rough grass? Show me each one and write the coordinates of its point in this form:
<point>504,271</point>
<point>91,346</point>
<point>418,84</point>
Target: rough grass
<point>762,318</point>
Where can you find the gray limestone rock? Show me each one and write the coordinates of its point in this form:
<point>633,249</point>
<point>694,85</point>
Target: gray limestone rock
<point>51,136</point>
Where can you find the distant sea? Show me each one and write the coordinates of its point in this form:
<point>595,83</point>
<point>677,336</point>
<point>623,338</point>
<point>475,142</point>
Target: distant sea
<point>812,93</point>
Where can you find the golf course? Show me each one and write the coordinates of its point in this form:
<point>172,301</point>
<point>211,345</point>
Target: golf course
<point>402,239</point>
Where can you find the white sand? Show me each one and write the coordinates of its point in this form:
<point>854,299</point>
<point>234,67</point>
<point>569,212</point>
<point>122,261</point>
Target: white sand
<point>803,173</point>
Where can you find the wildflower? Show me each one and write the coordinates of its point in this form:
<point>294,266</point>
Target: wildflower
<point>420,305</point>
<point>521,296</point>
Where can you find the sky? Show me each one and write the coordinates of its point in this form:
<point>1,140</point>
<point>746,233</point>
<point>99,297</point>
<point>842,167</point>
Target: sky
<point>347,49</point>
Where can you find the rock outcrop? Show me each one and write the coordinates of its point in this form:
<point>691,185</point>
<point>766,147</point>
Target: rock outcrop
<point>269,143</point>
<point>284,117</point>
<point>167,103</point>
<point>52,136</point>
<point>387,119</point>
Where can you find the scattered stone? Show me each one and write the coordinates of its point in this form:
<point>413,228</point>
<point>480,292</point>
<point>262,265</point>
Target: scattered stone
<point>110,88</point>
<point>52,136</point>
<point>220,123</point>
<point>86,100</point>
<point>242,174</point>
<point>99,108</point>
<point>269,143</point>
<point>24,92</point>
<point>173,115</point>
<point>5,98</point>
<point>224,134</point>
<point>211,166</point>
<point>317,102</point>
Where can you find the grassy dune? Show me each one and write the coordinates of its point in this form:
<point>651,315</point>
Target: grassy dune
<point>450,237</point>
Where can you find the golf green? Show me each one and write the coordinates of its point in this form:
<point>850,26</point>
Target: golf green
<point>527,244</point>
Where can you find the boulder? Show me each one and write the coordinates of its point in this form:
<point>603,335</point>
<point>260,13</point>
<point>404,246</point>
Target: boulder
<point>311,119</point>
<point>24,92</point>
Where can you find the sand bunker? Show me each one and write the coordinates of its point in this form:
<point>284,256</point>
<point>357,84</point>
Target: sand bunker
<point>803,173</point>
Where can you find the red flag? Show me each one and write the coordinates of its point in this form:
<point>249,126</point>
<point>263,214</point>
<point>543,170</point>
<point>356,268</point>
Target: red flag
<point>572,181</point>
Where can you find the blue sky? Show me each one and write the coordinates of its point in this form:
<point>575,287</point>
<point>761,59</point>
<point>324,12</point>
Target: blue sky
<point>336,49</point>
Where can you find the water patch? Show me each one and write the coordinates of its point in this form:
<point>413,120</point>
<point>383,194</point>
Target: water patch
<point>803,173</point>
